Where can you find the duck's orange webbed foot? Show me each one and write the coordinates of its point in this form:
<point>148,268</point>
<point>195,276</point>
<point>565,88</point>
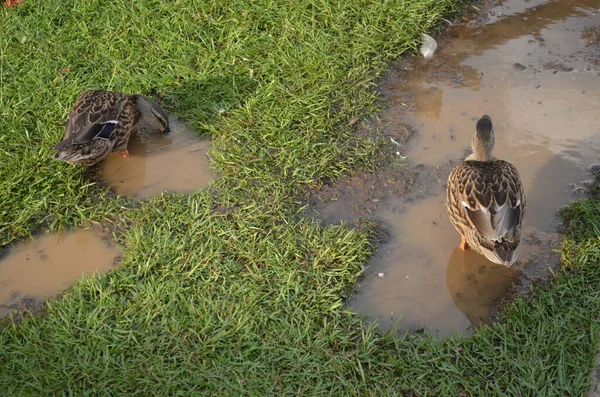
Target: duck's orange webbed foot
<point>125,153</point>
<point>463,243</point>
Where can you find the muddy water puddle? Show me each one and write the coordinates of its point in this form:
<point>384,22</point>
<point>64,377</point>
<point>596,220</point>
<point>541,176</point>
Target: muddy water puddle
<point>531,67</point>
<point>33,270</point>
<point>173,162</point>
<point>421,279</point>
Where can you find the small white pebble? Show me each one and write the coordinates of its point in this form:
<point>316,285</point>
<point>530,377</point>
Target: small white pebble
<point>381,275</point>
<point>407,277</point>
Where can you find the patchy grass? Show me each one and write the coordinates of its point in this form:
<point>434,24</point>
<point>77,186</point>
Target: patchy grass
<point>230,291</point>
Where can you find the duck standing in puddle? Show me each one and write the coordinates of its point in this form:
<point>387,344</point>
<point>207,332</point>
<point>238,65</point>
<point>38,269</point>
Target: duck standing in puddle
<point>101,123</point>
<point>486,201</point>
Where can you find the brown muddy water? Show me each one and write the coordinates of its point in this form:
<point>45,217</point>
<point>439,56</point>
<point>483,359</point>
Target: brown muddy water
<point>529,66</point>
<point>173,162</point>
<point>33,270</point>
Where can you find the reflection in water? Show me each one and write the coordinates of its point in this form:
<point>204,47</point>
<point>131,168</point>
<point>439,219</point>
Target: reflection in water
<point>547,122</point>
<point>425,274</point>
<point>51,263</point>
<point>176,161</point>
<point>477,285</point>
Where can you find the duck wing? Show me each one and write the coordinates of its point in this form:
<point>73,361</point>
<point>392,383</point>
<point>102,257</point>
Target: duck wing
<point>495,223</point>
<point>493,199</point>
<point>95,115</point>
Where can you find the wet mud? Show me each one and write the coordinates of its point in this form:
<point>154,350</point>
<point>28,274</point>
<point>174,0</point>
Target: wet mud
<point>34,270</point>
<point>172,162</point>
<point>533,67</point>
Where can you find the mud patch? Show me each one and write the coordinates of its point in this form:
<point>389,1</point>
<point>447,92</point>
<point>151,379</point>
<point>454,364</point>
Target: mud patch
<point>32,271</point>
<point>526,65</point>
<point>173,162</point>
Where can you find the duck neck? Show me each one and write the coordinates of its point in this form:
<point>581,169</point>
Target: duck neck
<point>152,113</point>
<point>481,156</point>
<point>482,144</point>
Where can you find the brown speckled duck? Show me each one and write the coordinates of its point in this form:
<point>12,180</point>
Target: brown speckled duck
<point>486,201</point>
<point>101,123</point>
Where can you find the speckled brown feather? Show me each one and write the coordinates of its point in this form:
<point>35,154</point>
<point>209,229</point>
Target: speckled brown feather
<point>489,185</point>
<point>80,144</point>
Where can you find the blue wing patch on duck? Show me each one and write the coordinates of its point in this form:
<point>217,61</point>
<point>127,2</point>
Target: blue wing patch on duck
<point>106,129</point>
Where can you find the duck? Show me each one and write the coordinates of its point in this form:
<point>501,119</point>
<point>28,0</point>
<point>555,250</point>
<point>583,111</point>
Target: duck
<point>486,201</point>
<point>101,122</point>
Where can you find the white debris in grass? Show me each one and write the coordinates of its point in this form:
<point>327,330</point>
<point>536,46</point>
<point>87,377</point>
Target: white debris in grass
<point>428,46</point>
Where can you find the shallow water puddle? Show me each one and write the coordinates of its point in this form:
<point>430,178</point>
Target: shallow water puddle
<point>530,70</point>
<point>173,162</point>
<point>50,263</point>
<point>422,278</point>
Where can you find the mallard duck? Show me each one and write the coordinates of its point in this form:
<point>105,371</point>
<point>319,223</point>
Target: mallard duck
<point>101,123</point>
<point>485,200</point>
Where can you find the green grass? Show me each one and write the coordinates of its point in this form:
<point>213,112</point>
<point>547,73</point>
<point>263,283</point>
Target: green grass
<point>230,290</point>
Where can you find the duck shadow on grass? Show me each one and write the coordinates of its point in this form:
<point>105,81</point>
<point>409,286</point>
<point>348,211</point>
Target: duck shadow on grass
<point>202,102</point>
